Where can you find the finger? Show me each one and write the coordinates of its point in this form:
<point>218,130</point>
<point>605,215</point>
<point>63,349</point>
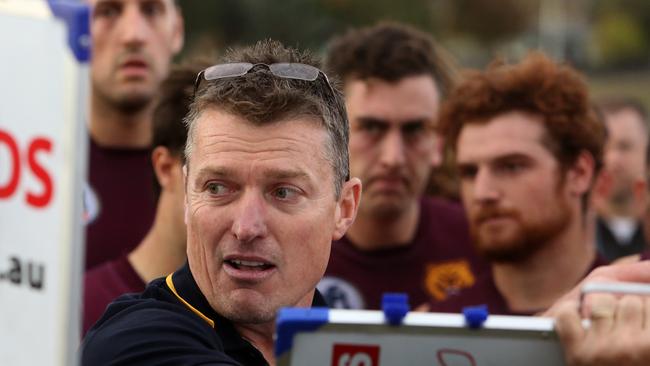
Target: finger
<point>423,308</point>
<point>601,309</point>
<point>626,272</point>
<point>568,326</point>
<point>629,313</point>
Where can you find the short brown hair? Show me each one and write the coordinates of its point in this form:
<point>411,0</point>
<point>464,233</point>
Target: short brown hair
<point>539,86</point>
<point>389,51</point>
<point>262,98</point>
<point>173,104</point>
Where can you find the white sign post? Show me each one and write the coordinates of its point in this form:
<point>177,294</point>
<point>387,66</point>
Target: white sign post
<point>44,48</point>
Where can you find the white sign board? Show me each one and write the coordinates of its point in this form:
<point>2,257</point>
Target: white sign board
<point>363,338</point>
<point>42,165</point>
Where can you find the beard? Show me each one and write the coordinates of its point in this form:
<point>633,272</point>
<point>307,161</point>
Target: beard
<point>522,238</point>
<point>133,103</point>
<point>126,103</point>
<point>384,209</point>
<point>622,193</point>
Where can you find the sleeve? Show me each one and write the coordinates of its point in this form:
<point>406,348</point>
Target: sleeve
<point>154,336</point>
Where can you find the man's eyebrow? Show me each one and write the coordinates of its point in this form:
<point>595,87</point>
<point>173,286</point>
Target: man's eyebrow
<point>417,123</point>
<point>497,159</point>
<point>277,174</point>
<point>214,173</point>
<point>282,174</point>
<point>368,119</point>
<point>511,156</point>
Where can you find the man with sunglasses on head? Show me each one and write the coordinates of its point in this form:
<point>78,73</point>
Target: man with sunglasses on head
<point>267,190</point>
<point>393,79</point>
<point>133,42</point>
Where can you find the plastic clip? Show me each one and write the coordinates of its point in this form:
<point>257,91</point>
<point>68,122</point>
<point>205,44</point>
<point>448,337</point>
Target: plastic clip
<point>475,316</point>
<point>395,307</point>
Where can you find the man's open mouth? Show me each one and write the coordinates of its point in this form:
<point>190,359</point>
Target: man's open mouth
<point>248,265</point>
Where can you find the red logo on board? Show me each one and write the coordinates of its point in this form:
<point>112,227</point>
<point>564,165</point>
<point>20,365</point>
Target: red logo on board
<point>355,355</point>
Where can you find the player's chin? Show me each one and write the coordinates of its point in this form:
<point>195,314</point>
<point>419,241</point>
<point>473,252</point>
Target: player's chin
<point>252,311</point>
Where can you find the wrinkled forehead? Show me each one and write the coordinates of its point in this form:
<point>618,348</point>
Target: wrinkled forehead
<point>233,135</point>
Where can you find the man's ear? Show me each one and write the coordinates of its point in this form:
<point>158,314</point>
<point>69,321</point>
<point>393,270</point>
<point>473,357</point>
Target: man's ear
<point>581,175</point>
<point>164,163</point>
<point>347,208</point>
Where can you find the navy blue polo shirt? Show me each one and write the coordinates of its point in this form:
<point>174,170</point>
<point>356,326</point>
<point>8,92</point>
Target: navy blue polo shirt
<point>170,323</point>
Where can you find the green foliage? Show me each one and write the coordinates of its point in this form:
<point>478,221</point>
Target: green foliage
<point>622,32</point>
<point>620,38</point>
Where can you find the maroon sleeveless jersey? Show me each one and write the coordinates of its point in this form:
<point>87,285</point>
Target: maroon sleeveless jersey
<point>105,283</point>
<point>485,292</point>
<point>119,203</point>
<point>438,261</point>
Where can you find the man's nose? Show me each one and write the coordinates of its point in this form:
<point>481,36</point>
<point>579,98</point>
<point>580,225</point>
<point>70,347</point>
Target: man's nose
<point>486,187</point>
<point>393,149</point>
<point>612,159</point>
<point>134,26</point>
<point>249,222</point>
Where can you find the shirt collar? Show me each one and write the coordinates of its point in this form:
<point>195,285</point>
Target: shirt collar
<point>188,291</point>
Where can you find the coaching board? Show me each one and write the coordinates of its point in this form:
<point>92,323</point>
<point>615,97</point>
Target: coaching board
<point>319,336</point>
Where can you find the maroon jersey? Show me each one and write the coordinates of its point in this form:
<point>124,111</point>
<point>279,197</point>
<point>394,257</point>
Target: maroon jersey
<point>119,202</point>
<point>438,261</point>
<point>485,292</point>
<point>103,284</point>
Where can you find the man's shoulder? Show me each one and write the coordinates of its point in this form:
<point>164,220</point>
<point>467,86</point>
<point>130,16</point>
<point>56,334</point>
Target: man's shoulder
<point>118,276</point>
<point>152,328</point>
<point>105,283</point>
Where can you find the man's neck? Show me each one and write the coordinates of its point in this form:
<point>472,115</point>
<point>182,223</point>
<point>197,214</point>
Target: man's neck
<point>162,250</point>
<point>371,233</point>
<point>535,284</point>
<point>261,337</point>
<point>111,127</point>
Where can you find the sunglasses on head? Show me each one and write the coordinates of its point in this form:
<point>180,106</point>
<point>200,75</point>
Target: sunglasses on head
<point>287,70</point>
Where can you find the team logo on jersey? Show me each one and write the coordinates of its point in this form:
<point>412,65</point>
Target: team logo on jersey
<point>442,279</point>
<point>340,294</point>
<point>91,206</point>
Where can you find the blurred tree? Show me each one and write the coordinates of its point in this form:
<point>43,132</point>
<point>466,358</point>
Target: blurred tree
<point>307,23</point>
<point>620,39</point>
<point>488,21</point>
<point>622,32</point>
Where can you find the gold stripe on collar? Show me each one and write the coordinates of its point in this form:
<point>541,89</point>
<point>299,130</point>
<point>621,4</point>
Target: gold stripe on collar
<point>170,284</point>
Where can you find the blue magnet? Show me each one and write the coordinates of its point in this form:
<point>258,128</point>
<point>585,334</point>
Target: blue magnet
<point>475,316</point>
<point>395,307</point>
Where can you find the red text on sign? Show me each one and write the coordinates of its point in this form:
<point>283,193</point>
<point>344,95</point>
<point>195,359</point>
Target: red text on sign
<point>35,147</point>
